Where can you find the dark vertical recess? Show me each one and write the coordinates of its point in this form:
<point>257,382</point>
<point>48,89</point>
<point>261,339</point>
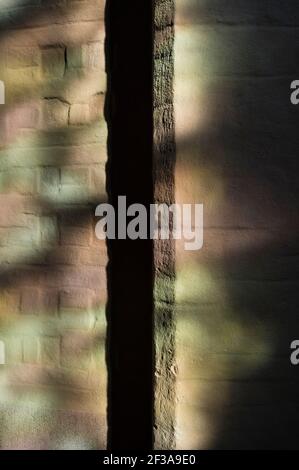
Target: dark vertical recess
<point>129,113</point>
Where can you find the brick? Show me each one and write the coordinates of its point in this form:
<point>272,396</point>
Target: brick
<point>76,298</point>
<point>79,114</point>
<point>61,256</point>
<point>96,256</point>
<point>96,106</point>
<point>50,350</point>
<point>76,320</point>
<point>82,217</point>
<point>49,182</point>
<point>83,84</point>
<point>76,236</point>
<point>49,376</point>
<point>55,113</point>
<point>95,56</point>
<point>98,179</point>
<point>86,56</point>
<point>30,350</point>
<point>13,350</point>
<point>76,176</point>
<point>76,350</point>
<point>38,301</point>
<point>23,116</point>
<point>22,236</point>
<point>20,57</point>
<point>15,208</point>
<point>49,230</point>
<point>9,302</point>
<point>18,254</point>
<point>91,256</point>
<point>53,62</point>
<point>86,278</point>
<point>22,181</point>
<point>75,57</point>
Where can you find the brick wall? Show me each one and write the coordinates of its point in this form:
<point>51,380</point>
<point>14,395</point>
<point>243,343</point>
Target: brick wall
<point>236,299</point>
<point>53,270</point>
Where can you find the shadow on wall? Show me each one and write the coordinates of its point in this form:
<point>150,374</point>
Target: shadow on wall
<point>237,299</point>
<point>53,270</point>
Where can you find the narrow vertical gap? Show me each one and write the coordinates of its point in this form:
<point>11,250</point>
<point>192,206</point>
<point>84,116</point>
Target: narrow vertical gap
<point>129,114</point>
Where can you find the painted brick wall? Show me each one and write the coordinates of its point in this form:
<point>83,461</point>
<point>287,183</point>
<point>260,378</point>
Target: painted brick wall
<point>52,173</point>
<point>237,153</point>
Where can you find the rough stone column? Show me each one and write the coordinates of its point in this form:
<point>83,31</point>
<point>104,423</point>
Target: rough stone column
<point>164,250</point>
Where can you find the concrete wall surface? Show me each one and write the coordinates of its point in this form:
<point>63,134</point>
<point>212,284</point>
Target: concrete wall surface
<point>237,149</point>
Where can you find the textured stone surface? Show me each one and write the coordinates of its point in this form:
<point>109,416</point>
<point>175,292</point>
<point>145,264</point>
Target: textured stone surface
<point>164,160</point>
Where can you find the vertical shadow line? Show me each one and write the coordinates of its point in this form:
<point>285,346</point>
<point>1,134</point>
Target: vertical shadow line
<point>128,111</point>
